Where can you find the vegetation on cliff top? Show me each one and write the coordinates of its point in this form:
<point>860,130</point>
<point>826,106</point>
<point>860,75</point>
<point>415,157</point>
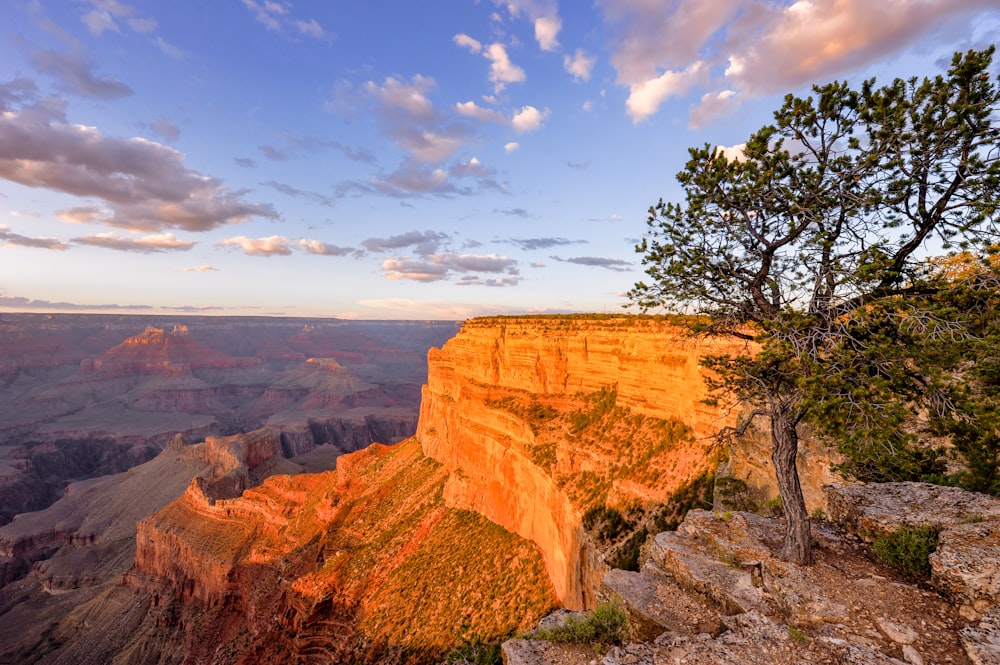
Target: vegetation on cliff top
<point>818,224</point>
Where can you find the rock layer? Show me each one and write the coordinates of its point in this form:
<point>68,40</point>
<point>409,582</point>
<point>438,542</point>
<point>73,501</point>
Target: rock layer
<point>652,364</point>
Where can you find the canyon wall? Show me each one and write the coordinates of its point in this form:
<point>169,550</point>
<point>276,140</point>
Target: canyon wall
<point>553,363</point>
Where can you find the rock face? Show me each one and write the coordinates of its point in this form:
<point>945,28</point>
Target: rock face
<point>966,563</point>
<point>489,388</point>
<point>86,395</point>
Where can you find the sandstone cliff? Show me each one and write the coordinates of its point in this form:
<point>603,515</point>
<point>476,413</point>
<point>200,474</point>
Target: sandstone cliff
<point>538,419</point>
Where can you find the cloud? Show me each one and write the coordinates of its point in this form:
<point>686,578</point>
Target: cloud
<point>713,106</point>
<point>81,214</point>
<point>543,14</point>
<point>7,237</point>
<point>165,128</point>
<point>617,265</point>
<point>528,119</point>
<point>151,244</point>
<point>323,248</point>
<point>645,98</point>
<point>20,303</point>
<point>753,49</point>
<point>245,162</point>
<point>299,146</point>
<point>409,119</point>
<point>73,74</point>
<point>467,42</point>
<point>275,15</point>
<point>472,110</point>
<point>502,70</point>
<point>436,267</point>
<point>424,243</point>
<point>475,280</point>
<point>513,212</point>
<point>106,15</point>
<point>169,49</point>
<point>579,166</point>
<point>544,243</point>
<point>294,192</point>
<point>205,268</point>
<point>511,147</point>
<point>269,246</point>
<point>733,153</point>
<point>579,65</point>
<point>144,185</point>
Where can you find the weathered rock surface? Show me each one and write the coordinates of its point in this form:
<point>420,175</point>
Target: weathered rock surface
<point>502,465</point>
<point>874,508</point>
<point>843,609</point>
<point>966,564</point>
<point>982,641</point>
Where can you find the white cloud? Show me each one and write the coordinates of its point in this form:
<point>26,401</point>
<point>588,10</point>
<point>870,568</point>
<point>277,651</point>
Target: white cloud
<point>579,65</point>
<point>275,15</point>
<point>646,97</point>
<point>472,110</point>
<point>714,105</point>
<point>502,70</point>
<point>511,147</point>
<point>734,153</point>
<point>528,119</point>
<point>465,41</point>
<point>547,32</point>
<point>204,268</point>
<point>436,267</point>
<point>269,246</point>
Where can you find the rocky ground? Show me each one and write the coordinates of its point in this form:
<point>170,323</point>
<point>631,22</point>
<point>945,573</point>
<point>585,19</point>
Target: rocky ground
<point>712,593</point>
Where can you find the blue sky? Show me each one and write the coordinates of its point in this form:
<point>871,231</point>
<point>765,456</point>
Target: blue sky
<point>392,159</point>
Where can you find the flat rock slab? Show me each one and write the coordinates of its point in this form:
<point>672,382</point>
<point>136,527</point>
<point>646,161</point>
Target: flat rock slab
<point>656,604</point>
<point>873,508</point>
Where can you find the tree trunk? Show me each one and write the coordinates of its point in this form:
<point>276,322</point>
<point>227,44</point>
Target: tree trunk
<point>797,547</point>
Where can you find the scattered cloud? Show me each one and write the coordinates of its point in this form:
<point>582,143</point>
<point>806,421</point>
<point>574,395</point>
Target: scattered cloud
<point>107,14</point>
<point>295,192</point>
<point>151,244</point>
<point>749,50</point>
<point>74,75</point>
<point>440,266</point>
<point>8,237</point>
<point>424,243</point>
<point>579,65</point>
<point>20,303</point>
<point>513,212</point>
<point>734,153</point>
<point>324,248</point>
<point>528,119</point>
<point>165,129</point>
<point>645,98</point>
<point>205,268</point>
<point>269,246</point>
<point>275,15</point>
<point>475,280</point>
<point>543,14</point>
<point>467,42</point>
<point>82,214</point>
<point>544,243</point>
<point>511,147</point>
<point>579,166</point>
<point>617,265</point>
<point>472,110</point>
<point>301,146</point>
<point>245,162</point>
<point>144,185</point>
<point>502,70</point>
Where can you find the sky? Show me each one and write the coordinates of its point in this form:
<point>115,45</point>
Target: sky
<point>392,159</point>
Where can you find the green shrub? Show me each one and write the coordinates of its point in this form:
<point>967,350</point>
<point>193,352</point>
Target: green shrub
<point>605,625</point>
<point>907,550</point>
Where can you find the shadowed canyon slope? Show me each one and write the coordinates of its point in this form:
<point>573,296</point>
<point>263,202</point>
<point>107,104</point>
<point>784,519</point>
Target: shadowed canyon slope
<point>525,424</point>
<point>82,396</point>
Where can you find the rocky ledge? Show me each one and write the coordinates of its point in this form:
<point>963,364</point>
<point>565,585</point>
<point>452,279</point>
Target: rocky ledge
<point>712,593</point>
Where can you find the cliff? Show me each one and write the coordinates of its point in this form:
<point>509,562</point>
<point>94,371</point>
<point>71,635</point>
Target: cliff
<point>538,419</point>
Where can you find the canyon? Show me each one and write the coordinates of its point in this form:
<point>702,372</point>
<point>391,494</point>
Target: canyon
<point>537,438</point>
<point>87,395</point>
